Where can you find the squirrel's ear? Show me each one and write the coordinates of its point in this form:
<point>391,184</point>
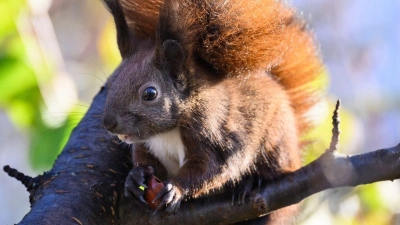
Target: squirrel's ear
<point>124,35</point>
<point>173,54</point>
<point>173,59</point>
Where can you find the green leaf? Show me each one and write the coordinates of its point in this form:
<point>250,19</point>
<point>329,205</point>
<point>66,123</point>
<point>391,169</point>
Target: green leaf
<point>15,78</point>
<point>47,142</point>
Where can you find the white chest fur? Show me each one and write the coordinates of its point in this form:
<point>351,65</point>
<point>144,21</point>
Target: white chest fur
<point>169,149</point>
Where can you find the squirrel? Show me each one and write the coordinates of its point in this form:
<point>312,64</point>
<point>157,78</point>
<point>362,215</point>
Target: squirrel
<point>210,93</point>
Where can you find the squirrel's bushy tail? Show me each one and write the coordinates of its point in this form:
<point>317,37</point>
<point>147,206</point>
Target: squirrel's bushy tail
<point>236,38</point>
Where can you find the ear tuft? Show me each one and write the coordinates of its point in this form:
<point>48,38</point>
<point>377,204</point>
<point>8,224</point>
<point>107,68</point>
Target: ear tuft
<point>123,33</point>
<point>173,60</point>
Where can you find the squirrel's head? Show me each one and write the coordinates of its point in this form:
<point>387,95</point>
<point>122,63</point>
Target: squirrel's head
<point>147,92</point>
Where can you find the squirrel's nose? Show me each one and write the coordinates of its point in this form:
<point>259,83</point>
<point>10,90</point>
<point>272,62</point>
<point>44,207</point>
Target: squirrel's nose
<point>109,122</point>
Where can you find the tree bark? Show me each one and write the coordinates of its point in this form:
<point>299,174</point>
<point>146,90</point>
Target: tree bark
<point>85,185</point>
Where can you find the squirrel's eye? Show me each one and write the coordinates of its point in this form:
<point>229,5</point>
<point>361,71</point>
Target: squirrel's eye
<point>149,94</point>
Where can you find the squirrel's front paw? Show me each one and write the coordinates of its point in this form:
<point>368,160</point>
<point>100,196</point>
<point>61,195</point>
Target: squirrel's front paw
<point>171,196</point>
<point>246,187</point>
<point>135,182</point>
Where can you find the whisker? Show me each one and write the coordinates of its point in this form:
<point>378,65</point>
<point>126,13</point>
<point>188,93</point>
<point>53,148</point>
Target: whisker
<point>92,74</point>
<point>98,66</point>
<point>74,112</point>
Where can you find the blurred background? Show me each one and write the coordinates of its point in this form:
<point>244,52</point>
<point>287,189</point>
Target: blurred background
<point>55,56</point>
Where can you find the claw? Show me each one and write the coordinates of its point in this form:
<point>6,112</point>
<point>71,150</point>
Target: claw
<point>174,206</point>
<point>259,184</point>
<point>142,199</point>
<point>178,205</point>
<point>159,207</point>
<point>245,193</point>
<point>127,193</point>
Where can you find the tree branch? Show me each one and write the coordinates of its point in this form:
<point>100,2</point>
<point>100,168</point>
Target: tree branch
<point>85,185</point>
<point>86,181</point>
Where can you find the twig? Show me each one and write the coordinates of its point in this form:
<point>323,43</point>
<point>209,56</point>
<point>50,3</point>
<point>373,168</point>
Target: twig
<point>336,129</point>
